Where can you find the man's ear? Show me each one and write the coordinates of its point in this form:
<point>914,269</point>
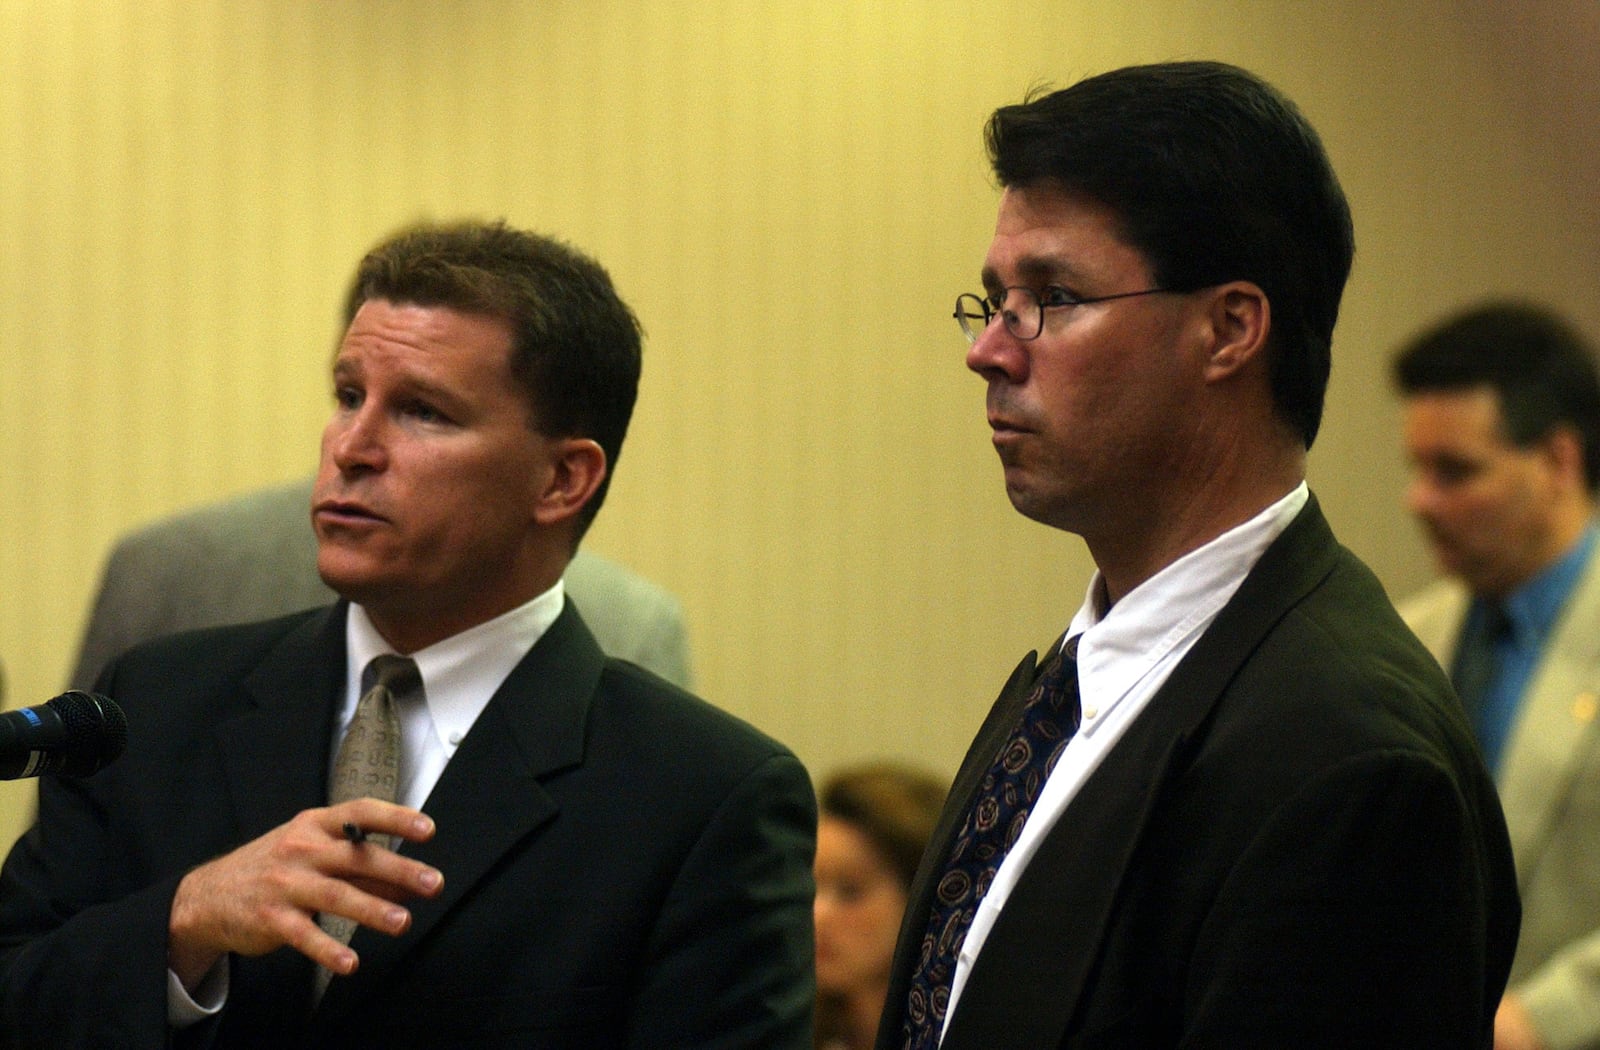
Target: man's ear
<point>578,468</point>
<point>1562,449</point>
<point>1240,319</point>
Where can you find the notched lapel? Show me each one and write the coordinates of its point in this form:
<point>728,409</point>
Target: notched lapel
<point>1003,713</point>
<point>1026,984</point>
<point>490,796</point>
<point>1556,732</point>
<point>275,756</point>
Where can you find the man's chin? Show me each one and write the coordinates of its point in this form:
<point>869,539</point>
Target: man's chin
<point>1478,578</point>
<point>350,578</point>
<point>1035,507</point>
<point>1447,564</point>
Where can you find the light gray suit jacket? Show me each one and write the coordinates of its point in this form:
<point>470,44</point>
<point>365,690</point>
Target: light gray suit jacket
<point>255,556</point>
<point>1549,784</point>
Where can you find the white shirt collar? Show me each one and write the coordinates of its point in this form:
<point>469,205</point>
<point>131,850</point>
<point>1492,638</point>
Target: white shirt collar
<point>460,673</point>
<point>1168,611</point>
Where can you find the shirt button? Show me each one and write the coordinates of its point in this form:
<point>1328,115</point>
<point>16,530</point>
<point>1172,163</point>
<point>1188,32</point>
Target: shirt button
<point>455,739</point>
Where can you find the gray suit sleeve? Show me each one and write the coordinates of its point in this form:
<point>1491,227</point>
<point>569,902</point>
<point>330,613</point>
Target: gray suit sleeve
<point>632,618</point>
<point>116,617</point>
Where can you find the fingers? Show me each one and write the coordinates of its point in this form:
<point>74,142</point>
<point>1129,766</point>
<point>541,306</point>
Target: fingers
<point>372,910</point>
<point>378,872</point>
<point>369,880</point>
<point>357,819</point>
<point>366,827</point>
<point>316,944</point>
<point>269,892</point>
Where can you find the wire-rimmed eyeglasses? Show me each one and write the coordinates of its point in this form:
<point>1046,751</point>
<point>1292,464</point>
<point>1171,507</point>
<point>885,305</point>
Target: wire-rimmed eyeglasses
<point>1024,319</point>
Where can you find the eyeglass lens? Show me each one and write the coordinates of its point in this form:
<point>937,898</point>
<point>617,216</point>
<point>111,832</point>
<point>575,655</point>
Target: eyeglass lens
<point>1020,310</point>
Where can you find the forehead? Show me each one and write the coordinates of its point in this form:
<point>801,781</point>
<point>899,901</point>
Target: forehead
<point>841,845</point>
<point>1044,233</point>
<point>1454,418</point>
<point>425,336</point>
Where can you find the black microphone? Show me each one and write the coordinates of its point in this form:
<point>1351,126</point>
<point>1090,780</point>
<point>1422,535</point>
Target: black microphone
<point>73,734</point>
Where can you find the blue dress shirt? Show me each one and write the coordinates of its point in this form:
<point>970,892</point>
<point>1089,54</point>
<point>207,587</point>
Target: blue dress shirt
<point>1517,629</point>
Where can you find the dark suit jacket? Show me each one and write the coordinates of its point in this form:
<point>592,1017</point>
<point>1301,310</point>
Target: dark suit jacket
<point>1294,845</point>
<point>625,866</point>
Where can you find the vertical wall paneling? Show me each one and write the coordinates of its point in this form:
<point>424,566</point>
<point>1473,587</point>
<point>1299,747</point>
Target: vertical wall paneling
<point>790,192</point>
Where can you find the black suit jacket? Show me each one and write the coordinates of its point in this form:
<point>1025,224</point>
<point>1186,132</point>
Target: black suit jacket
<point>625,866</point>
<point>1294,845</point>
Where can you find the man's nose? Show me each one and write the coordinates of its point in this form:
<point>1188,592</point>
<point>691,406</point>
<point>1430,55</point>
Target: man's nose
<point>358,440</point>
<point>996,353</point>
<point>1422,495</point>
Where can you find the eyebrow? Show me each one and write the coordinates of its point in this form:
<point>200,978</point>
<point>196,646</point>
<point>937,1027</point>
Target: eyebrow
<point>346,371</point>
<point>1036,269</point>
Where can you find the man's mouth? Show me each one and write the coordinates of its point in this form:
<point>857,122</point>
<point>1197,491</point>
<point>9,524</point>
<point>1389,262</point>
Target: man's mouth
<point>346,512</point>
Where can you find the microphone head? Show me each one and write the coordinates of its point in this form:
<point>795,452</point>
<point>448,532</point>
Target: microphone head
<point>97,733</point>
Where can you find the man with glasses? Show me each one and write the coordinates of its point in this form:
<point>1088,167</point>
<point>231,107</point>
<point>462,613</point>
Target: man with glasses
<point>1237,805</point>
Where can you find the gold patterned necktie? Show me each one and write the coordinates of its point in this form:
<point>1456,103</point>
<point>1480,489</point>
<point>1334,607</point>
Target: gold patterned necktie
<point>368,763</point>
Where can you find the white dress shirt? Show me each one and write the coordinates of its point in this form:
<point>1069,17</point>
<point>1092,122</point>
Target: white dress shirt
<point>459,675</point>
<point>1125,654</point>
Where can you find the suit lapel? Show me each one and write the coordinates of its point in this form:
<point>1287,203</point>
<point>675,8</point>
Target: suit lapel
<point>1003,716</point>
<point>275,755</point>
<point>489,797</point>
<point>1554,732</point>
<point>1026,984</point>
<point>275,764</point>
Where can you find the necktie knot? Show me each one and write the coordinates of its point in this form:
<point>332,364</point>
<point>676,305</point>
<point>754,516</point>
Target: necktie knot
<point>398,674</point>
<point>1057,687</point>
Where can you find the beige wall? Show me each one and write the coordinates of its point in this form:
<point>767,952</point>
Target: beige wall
<point>791,194</point>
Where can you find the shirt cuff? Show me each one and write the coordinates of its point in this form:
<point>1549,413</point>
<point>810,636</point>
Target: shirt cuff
<point>183,1009</point>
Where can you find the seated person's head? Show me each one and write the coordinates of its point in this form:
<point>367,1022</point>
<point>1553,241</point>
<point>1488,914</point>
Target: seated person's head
<point>875,822</point>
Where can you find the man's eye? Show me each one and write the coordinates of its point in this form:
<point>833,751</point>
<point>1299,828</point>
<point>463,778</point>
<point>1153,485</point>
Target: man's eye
<point>844,891</point>
<point>432,414</point>
<point>1055,295</point>
<point>346,397</point>
<point>1454,473</point>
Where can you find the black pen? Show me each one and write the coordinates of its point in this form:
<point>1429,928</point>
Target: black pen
<point>354,832</point>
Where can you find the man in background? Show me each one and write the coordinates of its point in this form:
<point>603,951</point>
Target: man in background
<point>255,556</point>
<point>582,854</point>
<point>1238,805</point>
<point>1502,427</point>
